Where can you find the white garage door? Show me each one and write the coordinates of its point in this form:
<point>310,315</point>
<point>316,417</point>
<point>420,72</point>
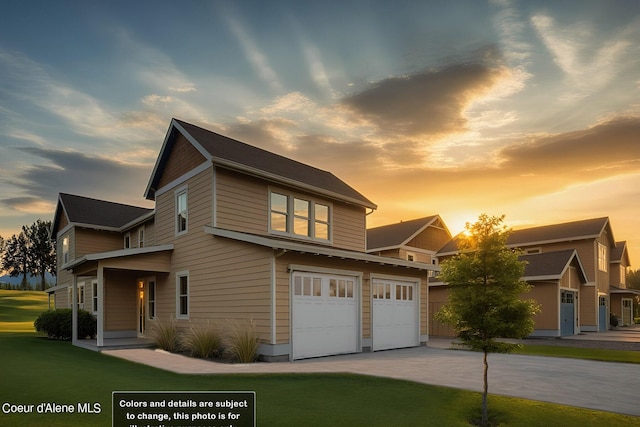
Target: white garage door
<point>395,314</point>
<point>324,315</point>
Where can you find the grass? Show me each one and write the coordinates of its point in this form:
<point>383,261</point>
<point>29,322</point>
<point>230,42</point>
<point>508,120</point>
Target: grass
<point>36,370</point>
<point>18,309</point>
<point>624,356</point>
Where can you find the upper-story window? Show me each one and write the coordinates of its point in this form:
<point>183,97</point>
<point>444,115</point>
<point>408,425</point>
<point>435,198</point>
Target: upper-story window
<point>181,211</point>
<point>623,275</point>
<point>127,241</point>
<point>65,250</point>
<point>299,217</point>
<point>141,238</point>
<point>602,257</point>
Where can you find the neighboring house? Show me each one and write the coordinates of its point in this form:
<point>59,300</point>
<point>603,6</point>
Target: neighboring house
<point>416,240</point>
<point>594,245</point>
<point>622,298</point>
<point>240,233</point>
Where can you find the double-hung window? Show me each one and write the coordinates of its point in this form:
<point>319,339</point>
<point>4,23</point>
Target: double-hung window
<point>602,257</point>
<point>141,238</point>
<point>182,295</point>
<point>65,250</point>
<point>181,211</point>
<point>299,217</point>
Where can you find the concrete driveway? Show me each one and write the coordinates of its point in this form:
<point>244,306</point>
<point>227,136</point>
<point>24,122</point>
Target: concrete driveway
<point>596,385</point>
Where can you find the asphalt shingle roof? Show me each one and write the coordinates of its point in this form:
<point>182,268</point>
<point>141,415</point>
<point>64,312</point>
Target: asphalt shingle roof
<point>248,156</point>
<point>100,213</point>
<point>393,235</point>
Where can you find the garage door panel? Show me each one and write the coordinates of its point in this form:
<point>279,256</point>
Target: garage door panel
<point>395,314</point>
<point>325,315</point>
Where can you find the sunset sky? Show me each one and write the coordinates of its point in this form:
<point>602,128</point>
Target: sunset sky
<point>528,109</point>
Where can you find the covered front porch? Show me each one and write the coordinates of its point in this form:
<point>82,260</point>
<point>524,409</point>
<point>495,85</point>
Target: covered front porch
<point>123,290</point>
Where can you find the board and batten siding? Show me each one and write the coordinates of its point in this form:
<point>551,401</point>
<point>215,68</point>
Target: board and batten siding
<point>183,158</point>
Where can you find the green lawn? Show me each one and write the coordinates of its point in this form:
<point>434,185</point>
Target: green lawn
<point>36,370</point>
<point>624,356</point>
<point>18,309</point>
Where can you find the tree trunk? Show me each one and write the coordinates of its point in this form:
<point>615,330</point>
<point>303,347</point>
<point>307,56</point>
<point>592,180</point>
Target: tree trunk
<point>485,393</point>
<point>43,279</point>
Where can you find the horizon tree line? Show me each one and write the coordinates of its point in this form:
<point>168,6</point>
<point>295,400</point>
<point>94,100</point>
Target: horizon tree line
<point>31,252</point>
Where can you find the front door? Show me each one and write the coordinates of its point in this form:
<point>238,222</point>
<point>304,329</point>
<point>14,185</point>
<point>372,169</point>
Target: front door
<point>627,311</point>
<point>142,313</point>
<point>567,313</point>
<point>603,324</point>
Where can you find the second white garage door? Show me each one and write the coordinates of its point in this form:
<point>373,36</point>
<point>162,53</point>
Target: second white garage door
<point>324,314</point>
<point>395,314</point>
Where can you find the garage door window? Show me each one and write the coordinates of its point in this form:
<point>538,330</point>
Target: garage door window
<point>381,291</point>
<point>404,292</point>
<point>341,288</point>
<point>307,286</point>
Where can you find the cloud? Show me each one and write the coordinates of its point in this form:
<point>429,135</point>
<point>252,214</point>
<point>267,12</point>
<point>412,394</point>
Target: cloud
<point>587,59</point>
<point>254,55</point>
<point>430,103</point>
<point>74,172</point>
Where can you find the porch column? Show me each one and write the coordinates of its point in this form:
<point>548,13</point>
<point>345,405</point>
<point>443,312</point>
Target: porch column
<point>100,314</point>
<point>74,310</point>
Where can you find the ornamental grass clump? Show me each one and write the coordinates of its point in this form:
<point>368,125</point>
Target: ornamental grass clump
<point>165,334</point>
<point>203,341</point>
<point>241,340</point>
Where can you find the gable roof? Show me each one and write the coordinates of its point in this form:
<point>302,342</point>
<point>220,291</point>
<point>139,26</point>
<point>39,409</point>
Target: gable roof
<point>575,230</point>
<point>551,265</point>
<point>619,253</point>
<point>392,236</point>
<point>93,213</point>
<point>230,153</point>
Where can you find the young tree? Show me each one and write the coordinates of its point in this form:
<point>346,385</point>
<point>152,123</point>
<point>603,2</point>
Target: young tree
<point>42,255</point>
<point>485,293</point>
<point>15,259</point>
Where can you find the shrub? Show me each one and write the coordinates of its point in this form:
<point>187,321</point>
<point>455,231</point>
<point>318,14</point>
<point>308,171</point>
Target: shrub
<point>57,324</point>
<point>613,320</point>
<point>165,334</point>
<point>202,341</point>
<point>241,341</point>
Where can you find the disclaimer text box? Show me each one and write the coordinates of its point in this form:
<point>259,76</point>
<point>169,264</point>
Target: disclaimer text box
<point>183,408</point>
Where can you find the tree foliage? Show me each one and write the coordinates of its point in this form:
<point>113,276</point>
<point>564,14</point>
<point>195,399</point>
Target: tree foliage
<point>486,292</point>
<point>31,252</point>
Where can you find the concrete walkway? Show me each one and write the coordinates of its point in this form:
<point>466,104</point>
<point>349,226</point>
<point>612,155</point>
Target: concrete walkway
<point>596,385</point>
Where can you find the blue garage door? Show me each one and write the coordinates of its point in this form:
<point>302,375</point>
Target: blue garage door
<point>603,324</point>
<point>567,313</point>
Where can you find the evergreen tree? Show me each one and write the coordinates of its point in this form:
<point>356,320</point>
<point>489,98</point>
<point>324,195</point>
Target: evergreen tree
<point>42,255</point>
<point>485,293</point>
<point>15,259</point>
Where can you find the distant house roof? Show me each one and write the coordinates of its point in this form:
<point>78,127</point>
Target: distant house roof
<point>399,234</point>
<point>620,253</point>
<point>227,152</point>
<point>94,213</point>
<point>575,230</point>
<point>551,265</point>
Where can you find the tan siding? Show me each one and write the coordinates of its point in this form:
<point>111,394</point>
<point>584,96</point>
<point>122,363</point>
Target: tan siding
<point>438,298</point>
<point>588,306</point>
<point>241,203</point>
<point>120,301</point>
<point>183,158</point>
<point>64,277</point>
<point>431,238</point>
<point>62,298</point>
<point>92,241</point>
<point>547,295</point>
<point>349,227</point>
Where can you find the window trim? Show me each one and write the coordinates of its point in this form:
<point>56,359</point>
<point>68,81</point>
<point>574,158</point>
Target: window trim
<point>291,217</point>
<point>177,194</point>
<point>65,250</point>
<point>179,295</point>
<point>141,236</point>
<point>603,258</point>
<point>152,302</point>
<point>94,296</point>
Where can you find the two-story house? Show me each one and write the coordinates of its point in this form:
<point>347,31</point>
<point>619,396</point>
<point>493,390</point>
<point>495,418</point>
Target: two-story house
<point>623,298</point>
<point>568,266</point>
<point>242,233</point>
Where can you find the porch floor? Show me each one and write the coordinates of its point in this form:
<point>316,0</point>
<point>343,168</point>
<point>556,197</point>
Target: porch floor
<point>115,343</point>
